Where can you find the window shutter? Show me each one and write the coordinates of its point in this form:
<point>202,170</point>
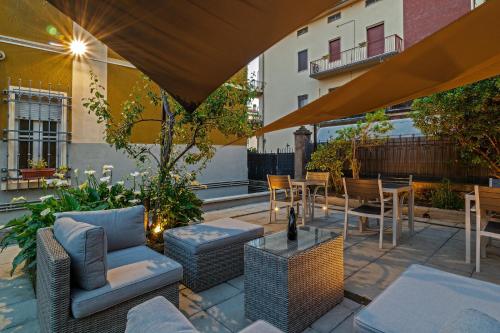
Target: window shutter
<point>38,111</point>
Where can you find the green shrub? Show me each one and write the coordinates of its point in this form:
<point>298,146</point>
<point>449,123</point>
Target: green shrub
<point>444,197</point>
<point>92,194</point>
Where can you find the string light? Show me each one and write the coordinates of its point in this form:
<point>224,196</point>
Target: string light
<point>157,229</point>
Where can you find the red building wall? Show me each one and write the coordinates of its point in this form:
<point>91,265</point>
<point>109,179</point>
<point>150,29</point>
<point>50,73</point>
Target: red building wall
<point>423,17</point>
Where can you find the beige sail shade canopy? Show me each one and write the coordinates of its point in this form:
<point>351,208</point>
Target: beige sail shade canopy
<point>191,47</point>
<point>463,52</point>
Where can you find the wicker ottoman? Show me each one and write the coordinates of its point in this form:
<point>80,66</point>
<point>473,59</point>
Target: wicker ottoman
<point>291,284</point>
<point>210,253</point>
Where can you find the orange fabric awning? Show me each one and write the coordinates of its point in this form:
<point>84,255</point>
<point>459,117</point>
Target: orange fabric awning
<point>191,47</point>
<point>466,51</point>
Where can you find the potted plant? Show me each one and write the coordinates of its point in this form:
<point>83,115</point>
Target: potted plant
<point>37,169</point>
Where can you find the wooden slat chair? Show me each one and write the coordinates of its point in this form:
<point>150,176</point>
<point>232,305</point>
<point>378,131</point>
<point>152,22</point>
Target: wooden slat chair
<point>487,207</point>
<point>323,177</point>
<point>277,183</point>
<point>365,190</point>
<point>403,197</point>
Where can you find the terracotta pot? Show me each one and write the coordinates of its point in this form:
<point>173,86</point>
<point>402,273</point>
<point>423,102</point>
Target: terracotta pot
<point>37,173</point>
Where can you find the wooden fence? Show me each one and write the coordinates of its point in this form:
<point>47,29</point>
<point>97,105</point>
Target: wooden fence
<point>424,158</point>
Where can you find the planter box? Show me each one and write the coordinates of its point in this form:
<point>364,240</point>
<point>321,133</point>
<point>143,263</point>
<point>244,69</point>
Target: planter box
<point>37,173</point>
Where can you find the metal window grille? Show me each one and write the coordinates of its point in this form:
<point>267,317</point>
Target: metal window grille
<point>36,127</point>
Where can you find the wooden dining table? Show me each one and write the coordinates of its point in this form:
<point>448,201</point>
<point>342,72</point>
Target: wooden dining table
<point>394,189</point>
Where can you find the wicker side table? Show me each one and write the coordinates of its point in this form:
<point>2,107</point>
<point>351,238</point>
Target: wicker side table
<point>292,284</point>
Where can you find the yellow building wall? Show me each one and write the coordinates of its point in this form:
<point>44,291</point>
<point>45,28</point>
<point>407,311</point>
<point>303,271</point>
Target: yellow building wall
<point>39,67</point>
<point>32,20</point>
<point>121,81</point>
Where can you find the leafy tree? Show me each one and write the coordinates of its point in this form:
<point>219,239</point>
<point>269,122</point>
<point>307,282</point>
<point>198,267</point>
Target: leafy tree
<point>184,139</point>
<point>468,115</point>
<point>368,132</point>
<point>332,156</point>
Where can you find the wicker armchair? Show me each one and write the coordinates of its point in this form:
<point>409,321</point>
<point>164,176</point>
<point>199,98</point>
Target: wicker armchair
<point>53,287</point>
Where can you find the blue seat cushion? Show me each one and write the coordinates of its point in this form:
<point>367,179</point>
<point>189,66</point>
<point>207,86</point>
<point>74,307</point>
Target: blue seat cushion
<point>87,248</point>
<point>124,227</point>
<point>204,237</point>
<point>131,272</point>
<point>471,321</point>
<point>157,315</point>
<point>423,299</point>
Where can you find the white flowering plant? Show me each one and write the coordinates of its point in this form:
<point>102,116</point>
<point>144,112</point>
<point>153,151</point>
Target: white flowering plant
<point>92,194</point>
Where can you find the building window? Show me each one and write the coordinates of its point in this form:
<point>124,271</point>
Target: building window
<point>302,31</point>
<point>334,17</point>
<point>370,2</point>
<point>302,100</point>
<point>302,61</point>
<point>36,128</point>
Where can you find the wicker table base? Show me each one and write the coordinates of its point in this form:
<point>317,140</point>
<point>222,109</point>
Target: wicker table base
<point>291,292</point>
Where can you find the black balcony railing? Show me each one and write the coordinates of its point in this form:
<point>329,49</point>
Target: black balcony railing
<point>364,53</point>
<point>257,85</point>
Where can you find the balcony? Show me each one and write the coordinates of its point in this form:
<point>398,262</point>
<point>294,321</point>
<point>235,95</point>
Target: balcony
<point>257,86</point>
<point>364,55</point>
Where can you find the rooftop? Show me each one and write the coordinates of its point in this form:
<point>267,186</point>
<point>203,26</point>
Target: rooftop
<point>436,243</point>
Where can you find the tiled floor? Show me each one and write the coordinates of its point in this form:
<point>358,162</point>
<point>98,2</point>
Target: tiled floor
<point>368,271</point>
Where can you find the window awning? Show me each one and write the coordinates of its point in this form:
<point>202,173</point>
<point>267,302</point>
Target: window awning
<point>191,47</point>
<point>466,51</point>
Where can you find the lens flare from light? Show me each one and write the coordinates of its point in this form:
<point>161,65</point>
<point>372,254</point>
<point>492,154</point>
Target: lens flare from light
<point>78,47</point>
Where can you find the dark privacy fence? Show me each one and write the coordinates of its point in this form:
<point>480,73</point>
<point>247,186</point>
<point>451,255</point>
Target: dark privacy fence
<point>262,164</point>
<point>424,158</point>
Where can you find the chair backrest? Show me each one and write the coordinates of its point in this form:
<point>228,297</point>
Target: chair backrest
<point>364,189</point>
<point>398,180</point>
<point>487,198</point>
<point>321,176</point>
<point>494,182</point>
<point>279,182</point>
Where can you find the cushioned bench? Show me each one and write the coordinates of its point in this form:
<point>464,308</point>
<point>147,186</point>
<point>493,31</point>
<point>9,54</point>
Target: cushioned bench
<point>211,252</point>
<point>425,299</point>
<point>160,316</point>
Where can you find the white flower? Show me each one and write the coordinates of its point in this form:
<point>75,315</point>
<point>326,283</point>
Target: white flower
<point>144,173</point>
<point>105,179</point>
<point>109,187</point>
<point>137,192</point>
<point>134,201</point>
<point>46,197</point>
<point>135,174</point>
<point>17,199</point>
<point>60,183</point>
<point>59,175</point>
<point>76,171</point>
<point>45,212</point>
<point>121,182</point>
<point>107,167</point>
<point>89,172</point>
<point>119,196</point>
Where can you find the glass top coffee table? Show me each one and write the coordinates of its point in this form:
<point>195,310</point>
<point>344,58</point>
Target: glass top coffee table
<point>291,284</point>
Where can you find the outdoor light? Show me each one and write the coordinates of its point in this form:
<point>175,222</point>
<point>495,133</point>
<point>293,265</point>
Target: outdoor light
<point>324,207</point>
<point>157,229</point>
<point>276,208</point>
<point>78,47</point>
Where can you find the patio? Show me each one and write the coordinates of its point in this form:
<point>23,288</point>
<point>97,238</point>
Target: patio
<point>368,271</point>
